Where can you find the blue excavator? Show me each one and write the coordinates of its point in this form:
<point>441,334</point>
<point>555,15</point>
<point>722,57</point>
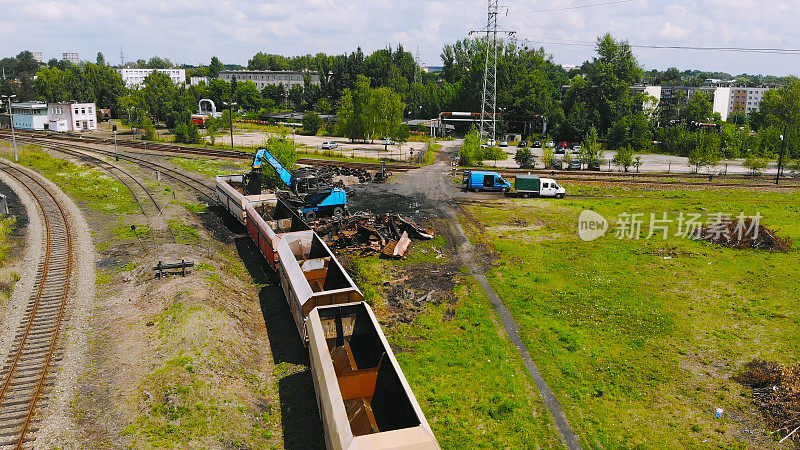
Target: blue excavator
<point>310,195</point>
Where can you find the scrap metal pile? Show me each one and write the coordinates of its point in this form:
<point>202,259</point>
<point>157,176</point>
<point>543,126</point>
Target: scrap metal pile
<point>389,234</point>
<point>776,390</point>
<point>327,173</point>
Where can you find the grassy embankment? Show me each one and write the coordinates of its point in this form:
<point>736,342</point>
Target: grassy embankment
<point>639,338</point>
<point>463,370</point>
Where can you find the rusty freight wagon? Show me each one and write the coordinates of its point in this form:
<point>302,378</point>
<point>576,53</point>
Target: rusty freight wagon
<point>268,220</point>
<point>311,276</point>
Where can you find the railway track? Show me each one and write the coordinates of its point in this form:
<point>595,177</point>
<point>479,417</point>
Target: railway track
<point>159,230</point>
<point>199,186</point>
<point>160,148</point>
<point>33,354</point>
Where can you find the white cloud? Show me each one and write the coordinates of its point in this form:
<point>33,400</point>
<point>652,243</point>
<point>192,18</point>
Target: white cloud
<point>193,30</point>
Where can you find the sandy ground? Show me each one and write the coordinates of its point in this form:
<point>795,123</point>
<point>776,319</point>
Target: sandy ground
<point>56,424</point>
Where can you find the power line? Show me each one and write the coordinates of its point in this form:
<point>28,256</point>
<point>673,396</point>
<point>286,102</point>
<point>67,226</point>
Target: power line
<point>568,8</point>
<point>556,41</point>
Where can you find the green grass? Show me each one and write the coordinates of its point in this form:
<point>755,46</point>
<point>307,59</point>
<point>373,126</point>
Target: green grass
<point>193,207</point>
<point>183,403</point>
<point>464,372</point>
<point>125,232</point>
<point>99,190</point>
<point>639,338</point>
<point>183,232</point>
<point>6,227</point>
<point>211,167</point>
<point>469,379</point>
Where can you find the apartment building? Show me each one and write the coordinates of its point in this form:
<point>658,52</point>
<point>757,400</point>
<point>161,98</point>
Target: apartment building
<point>264,78</point>
<point>70,57</point>
<point>725,99</point>
<point>134,78</point>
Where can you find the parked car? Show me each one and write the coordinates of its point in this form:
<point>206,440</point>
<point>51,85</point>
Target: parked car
<point>575,164</point>
<point>386,141</point>
<point>560,150</point>
<point>329,145</point>
<point>549,144</point>
<point>523,143</point>
<point>537,144</point>
<point>576,149</point>
<point>491,143</point>
<point>595,165</point>
<point>555,164</point>
<point>563,144</point>
<point>503,143</point>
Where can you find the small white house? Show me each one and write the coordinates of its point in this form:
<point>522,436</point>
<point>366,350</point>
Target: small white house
<point>29,115</point>
<point>71,116</point>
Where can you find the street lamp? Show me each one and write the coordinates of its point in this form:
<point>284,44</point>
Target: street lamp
<point>230,111</point>
<point>11,121</point>
<point>783,148</point>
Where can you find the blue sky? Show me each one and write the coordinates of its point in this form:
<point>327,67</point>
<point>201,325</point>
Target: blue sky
<point>192,31</point>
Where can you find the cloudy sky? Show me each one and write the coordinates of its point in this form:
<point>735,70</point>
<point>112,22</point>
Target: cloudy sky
<point>191,31</point>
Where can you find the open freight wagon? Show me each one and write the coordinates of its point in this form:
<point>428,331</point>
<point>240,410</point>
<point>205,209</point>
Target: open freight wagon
<point>311,276</point>
<point>267,221</point>
<point>363,397</point>
<point>231,192</point>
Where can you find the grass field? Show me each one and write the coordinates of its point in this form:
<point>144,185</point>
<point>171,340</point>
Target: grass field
<point>639,338</point>
<point>463,370</point>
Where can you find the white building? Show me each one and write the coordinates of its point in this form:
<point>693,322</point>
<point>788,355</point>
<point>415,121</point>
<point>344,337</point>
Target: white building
<point>71,116</point>
<point>135,77</point>
<point>38,57</point>
<point>726,100</point>
<point>263,78</point>
<point>194,81</point>
<point>71,57</point>
<point>29,115</point>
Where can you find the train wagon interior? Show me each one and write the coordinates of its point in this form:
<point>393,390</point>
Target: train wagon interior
<point>280,217</point>
<point>374,397</point>
<point>317,263</point>
<point>237,183</point>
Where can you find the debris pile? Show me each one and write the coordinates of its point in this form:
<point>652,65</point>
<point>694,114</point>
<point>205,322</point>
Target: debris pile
<point>744,235</point>
<point>776,390</point>
<point>389,234</point>
<point>328,172</point>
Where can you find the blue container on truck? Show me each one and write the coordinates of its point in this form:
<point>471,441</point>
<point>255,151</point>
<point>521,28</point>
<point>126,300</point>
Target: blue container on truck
<point>478,180</point>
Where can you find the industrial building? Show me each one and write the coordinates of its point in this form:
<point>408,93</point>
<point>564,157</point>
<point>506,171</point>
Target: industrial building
<point>29,115</point>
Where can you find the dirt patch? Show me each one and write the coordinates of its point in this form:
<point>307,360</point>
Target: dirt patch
<point>776,391</point>
<point>747,234</point>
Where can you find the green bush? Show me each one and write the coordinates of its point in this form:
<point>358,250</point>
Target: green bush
<point>493,154</point>
<point>312,122</point>
<point>186,133</point>
<point>524,158</point>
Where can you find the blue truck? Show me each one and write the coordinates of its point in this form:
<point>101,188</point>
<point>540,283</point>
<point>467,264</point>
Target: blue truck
<point>478,180</point>
<point>312,197</point>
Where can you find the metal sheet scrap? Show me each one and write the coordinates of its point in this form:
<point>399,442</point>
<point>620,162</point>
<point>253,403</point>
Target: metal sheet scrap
<point>389,234</point>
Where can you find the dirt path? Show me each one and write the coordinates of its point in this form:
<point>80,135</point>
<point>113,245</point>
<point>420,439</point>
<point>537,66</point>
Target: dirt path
<point>432,182</point>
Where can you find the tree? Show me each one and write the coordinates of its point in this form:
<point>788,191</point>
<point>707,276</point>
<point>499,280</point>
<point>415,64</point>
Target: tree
<point>698,109</point>
<point>186,133</point>
<point>215,67</point>
<point>632,130</point>
<point>591,151</point>
<point>312,122</point>
<point>157,88</point>
<point>548,157</point>
<point>149,131</point>
<point>624,158</point>
<point>524,158</point>
<point>101,60</point>
<point>248,96</point>
<point>386,111</point>
<point>470,152</point>
<point>755,164</point>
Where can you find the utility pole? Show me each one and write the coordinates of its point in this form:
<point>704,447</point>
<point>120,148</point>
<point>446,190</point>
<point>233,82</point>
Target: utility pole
<point>11,122</point>
<point>417,64</point>
<point>489,97</point>
<point>783,148</point>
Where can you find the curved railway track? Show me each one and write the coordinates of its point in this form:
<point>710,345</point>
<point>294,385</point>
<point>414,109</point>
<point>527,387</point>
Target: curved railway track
<point>33,353</point>
<point>196,185</point>
<point>145,199</point>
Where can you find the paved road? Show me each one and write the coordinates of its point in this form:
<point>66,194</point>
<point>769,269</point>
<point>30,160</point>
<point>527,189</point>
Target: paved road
<point>433,182</point>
